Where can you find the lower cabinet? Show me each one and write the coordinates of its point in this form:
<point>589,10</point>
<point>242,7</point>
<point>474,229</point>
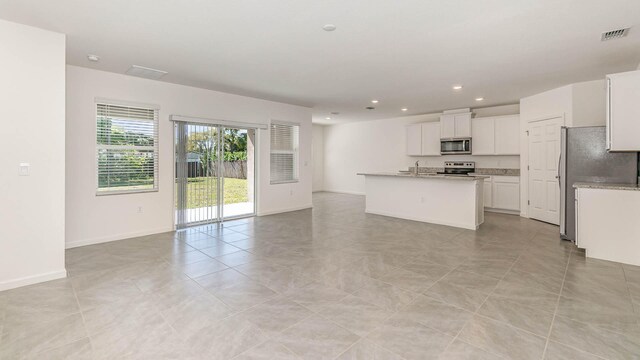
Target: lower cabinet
<point>487,193</point>
<point>502,193</point>
<point>607,225</point>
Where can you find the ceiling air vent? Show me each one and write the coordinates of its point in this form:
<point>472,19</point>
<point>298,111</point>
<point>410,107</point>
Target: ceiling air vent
<point>614,34</point>
<point>145,72</point>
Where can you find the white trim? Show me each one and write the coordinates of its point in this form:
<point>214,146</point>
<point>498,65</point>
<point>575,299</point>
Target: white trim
<point>117,237</point>
<point>279,211</point>
<point>122,192</point>
<point>100,100</point>
<point>33,279</point>
<point>225,123</point>
<point>344,192</point>
<point>282,122</point>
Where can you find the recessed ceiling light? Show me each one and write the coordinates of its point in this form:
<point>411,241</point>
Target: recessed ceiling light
<point>374,101</point>
<point>94,58</point>
<point>329,27</point>
<point>404,109</point>
<point>457,87</point>
<point>479,98</point>
<point>327,118</point>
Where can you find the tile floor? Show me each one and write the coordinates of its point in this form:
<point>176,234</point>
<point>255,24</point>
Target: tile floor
<point>332,283</point>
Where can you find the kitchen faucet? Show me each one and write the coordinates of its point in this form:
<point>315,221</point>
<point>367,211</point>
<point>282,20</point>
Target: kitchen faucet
<point>417,164</point>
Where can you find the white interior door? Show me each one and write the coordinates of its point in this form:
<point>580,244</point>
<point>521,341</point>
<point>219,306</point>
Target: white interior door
<point>544,155</point>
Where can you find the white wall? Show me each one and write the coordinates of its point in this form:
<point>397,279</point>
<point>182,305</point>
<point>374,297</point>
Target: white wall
<point>318,157</point>
<point>380,145</point>
<point>581,104</point>
<point>589,103</point>
<point>31,207</point>
<point>93,219</point>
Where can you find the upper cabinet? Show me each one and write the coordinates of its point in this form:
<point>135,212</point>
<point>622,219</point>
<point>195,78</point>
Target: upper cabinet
<point>423,139</point>
<point>623,112</point>
<point>455,125</point>
<point>497,135</point>
<point>483,136</point>
<point>507,129</point>
<point>414,139</point>
<point>431,139</point>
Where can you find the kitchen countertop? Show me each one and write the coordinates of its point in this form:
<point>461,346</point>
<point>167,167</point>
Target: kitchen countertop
<point>607,186</point>
<point>428,176</point>
<point>478,171</point>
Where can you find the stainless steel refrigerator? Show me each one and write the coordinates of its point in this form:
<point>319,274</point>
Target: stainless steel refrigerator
<point>584,158</point>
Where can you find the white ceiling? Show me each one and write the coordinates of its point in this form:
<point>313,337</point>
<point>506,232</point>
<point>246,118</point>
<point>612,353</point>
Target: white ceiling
<point>405,53</point>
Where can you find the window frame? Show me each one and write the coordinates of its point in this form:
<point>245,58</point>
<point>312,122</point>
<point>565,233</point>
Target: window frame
<point>155,147</point>
<point>295,153</point>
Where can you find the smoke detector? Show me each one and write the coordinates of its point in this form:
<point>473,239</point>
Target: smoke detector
<point>614,34</point>
<point>145,72</point>
<point>329,27</point>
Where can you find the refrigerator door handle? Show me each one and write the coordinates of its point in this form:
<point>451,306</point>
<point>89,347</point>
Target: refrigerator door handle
<point>562,181</point>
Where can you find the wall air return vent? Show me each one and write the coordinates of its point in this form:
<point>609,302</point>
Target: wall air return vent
<point>145,72</point>
<point>614,34</point>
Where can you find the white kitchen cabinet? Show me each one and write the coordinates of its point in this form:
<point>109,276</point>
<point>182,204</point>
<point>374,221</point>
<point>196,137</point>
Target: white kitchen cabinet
<point>507,135</point>
<point>488,199</point>
<point>414,139</point>
<point>623,111</point>
<point>447,126</point>
<point>462,124</point>
<point>431,139</point>
<point>483,141</point>
<point>504,193</point>
<point>455,125</point>
<point>496,135</point>
<point>607,224</point>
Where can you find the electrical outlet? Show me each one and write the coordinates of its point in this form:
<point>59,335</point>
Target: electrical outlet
<point>139,209</point>
<point>24,169</point>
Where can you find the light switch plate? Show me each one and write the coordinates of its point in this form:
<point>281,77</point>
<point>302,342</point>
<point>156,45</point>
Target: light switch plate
<point>24,169</point>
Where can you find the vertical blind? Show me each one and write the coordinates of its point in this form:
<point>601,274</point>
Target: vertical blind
<point>126,149</point>
<point>284,152</point>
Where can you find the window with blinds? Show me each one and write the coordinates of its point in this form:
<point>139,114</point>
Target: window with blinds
<point>126,149</point>
<point>284,152</point>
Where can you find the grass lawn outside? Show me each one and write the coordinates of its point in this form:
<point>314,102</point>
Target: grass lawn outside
<point>198,189</point>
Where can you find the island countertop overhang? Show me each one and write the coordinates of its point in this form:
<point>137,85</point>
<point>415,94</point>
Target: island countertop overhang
<point>427,176</point>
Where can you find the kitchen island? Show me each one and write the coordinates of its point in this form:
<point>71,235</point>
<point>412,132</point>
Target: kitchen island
<point>439,199</point>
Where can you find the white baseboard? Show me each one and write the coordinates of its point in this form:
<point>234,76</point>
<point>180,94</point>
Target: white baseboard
<point>500,211</point>
<point>345,192</point>
<point>273,212</point>
<point>33,279</point>
<point>104,239</point>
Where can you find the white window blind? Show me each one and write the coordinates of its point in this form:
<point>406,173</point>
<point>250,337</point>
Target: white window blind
<point>284,152</point>
<point>126,149</point>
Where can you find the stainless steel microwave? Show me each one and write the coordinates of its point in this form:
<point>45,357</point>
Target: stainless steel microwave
<point>455,146</point>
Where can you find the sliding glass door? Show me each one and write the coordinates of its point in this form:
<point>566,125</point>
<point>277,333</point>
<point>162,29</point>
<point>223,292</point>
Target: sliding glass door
<point>215,173</point>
